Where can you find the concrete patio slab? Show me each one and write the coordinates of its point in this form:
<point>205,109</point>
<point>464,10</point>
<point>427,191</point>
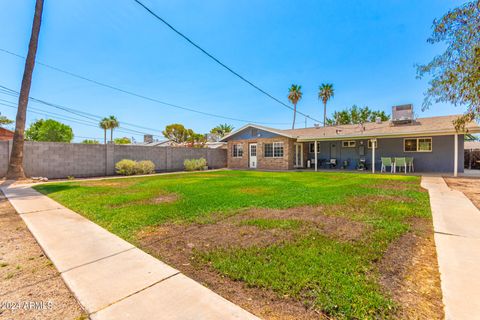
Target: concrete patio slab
<point>70,240</point>
<point>177,298</point>
<point>456,223</point>
<point>110,277</point>
<point>133,271</point>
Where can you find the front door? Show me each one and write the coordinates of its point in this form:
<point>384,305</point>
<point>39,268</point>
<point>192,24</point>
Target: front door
<point>298,161</point>
<point>253,155</point>
<point>333,150</point>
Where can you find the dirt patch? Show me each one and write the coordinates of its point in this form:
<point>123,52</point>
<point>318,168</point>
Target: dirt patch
<point>469,187</point>
<point>26,275</point>
<point>409,272</point>
<point>338,227</point>
<point>164,198</point>
<point>178,245</point>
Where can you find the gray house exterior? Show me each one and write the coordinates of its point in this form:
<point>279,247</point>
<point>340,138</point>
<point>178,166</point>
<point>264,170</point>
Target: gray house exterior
<point>433,143</point>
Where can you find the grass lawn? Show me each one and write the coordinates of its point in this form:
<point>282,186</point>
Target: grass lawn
<point>315,238</point>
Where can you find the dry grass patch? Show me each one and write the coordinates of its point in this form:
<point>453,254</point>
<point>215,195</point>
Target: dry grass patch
<point>409,272</point>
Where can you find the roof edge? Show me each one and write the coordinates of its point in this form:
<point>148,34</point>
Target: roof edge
<point>272,130</point>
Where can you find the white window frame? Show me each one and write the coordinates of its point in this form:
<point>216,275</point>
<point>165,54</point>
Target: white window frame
<point>274,145</point>
<point>311,147</point>
<point>239,147</point>
<point>369,144</point>
<point>349,144</point>
<point>418,144</point>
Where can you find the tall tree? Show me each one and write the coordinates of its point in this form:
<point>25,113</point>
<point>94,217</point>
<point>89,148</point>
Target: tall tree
<point>105,125</point>
<point>15,167</point>
<point>4,121</point>
<point>356,115</point>
<point>294,95</point>
<point>455,74</point>
<point>222,129</point>
<point>49,130</point>
<point>176,133</point>
<point>325,93</point>
<point>113,124</point>
<point>123,140</point>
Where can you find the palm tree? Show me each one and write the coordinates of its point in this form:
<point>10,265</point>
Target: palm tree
<point>15,166</point>
<point>113,123</point>
<point>294,95</point>
<point>222,129</point>
<point>105,125</point>
<point>325,93</point>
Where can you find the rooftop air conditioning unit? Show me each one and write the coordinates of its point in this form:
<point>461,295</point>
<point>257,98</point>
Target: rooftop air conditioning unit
<point>402,114</point>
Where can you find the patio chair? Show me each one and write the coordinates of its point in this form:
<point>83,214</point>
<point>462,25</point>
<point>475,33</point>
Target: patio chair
<point>332,163</point>
<point>400,162</point>
<point>362,164</point>
<point>410,164</point>
<point>387,162</point>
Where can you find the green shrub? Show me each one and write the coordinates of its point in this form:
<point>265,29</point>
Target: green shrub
<point>195,164</point>
<point>126,167</point>
<point>144,167</point>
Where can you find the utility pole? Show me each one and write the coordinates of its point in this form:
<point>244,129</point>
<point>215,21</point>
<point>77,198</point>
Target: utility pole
<point>15,166</point>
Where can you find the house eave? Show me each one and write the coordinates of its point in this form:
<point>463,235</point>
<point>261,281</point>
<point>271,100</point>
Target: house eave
<point>393,135</point>
<point>225,139</point>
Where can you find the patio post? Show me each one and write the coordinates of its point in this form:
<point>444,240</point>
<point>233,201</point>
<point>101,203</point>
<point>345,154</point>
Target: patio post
<point>316,157</point>
<point>373,154</point>
<point>455,155</point>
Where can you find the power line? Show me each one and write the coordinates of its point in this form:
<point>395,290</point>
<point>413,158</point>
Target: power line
<point>14,93</point>
<point>131,93</point>
<point>70,120</point>
<point>219,62</point>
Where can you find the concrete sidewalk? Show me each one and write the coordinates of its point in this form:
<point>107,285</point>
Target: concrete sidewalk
<point>456,223</point>
<point>110,277</point>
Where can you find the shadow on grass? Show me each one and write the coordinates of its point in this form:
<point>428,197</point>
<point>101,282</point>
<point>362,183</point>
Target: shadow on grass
<point>54,188</point>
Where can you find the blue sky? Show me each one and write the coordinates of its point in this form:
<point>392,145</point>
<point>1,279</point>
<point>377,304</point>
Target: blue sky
<point>367,49</point>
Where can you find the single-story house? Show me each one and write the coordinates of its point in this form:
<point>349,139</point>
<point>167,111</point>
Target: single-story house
<point>433,143</point>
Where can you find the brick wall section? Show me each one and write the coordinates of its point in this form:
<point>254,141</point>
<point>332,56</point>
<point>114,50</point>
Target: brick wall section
<point>59,160</point>
<point>284,163</point>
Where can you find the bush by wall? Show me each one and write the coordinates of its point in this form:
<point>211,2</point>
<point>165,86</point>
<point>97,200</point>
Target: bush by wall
<point>144,167</point>
<point>195,164</point>
<point>128,167</point>
<point>125,167</point>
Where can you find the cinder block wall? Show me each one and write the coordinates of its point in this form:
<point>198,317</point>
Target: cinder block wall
<point>59,160</point>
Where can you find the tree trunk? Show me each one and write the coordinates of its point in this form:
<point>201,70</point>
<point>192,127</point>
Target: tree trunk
<point>294,115</point>
<point>104,136</point>
<point>324,114</point>
<point>15,167</point>
<point>111,135</point>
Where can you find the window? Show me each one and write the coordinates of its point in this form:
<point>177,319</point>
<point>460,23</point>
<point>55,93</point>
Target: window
<point>278,149</point>
<point>370,144</point>
<point>417,145</point>
<point>268,150</point>
<point>273,150</point>
<point>349,144</point>
<point>424,145</point>
<point>311,147</point>
<point>237,151</point>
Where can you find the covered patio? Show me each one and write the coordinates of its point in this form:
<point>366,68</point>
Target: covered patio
<point>406,154</point>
